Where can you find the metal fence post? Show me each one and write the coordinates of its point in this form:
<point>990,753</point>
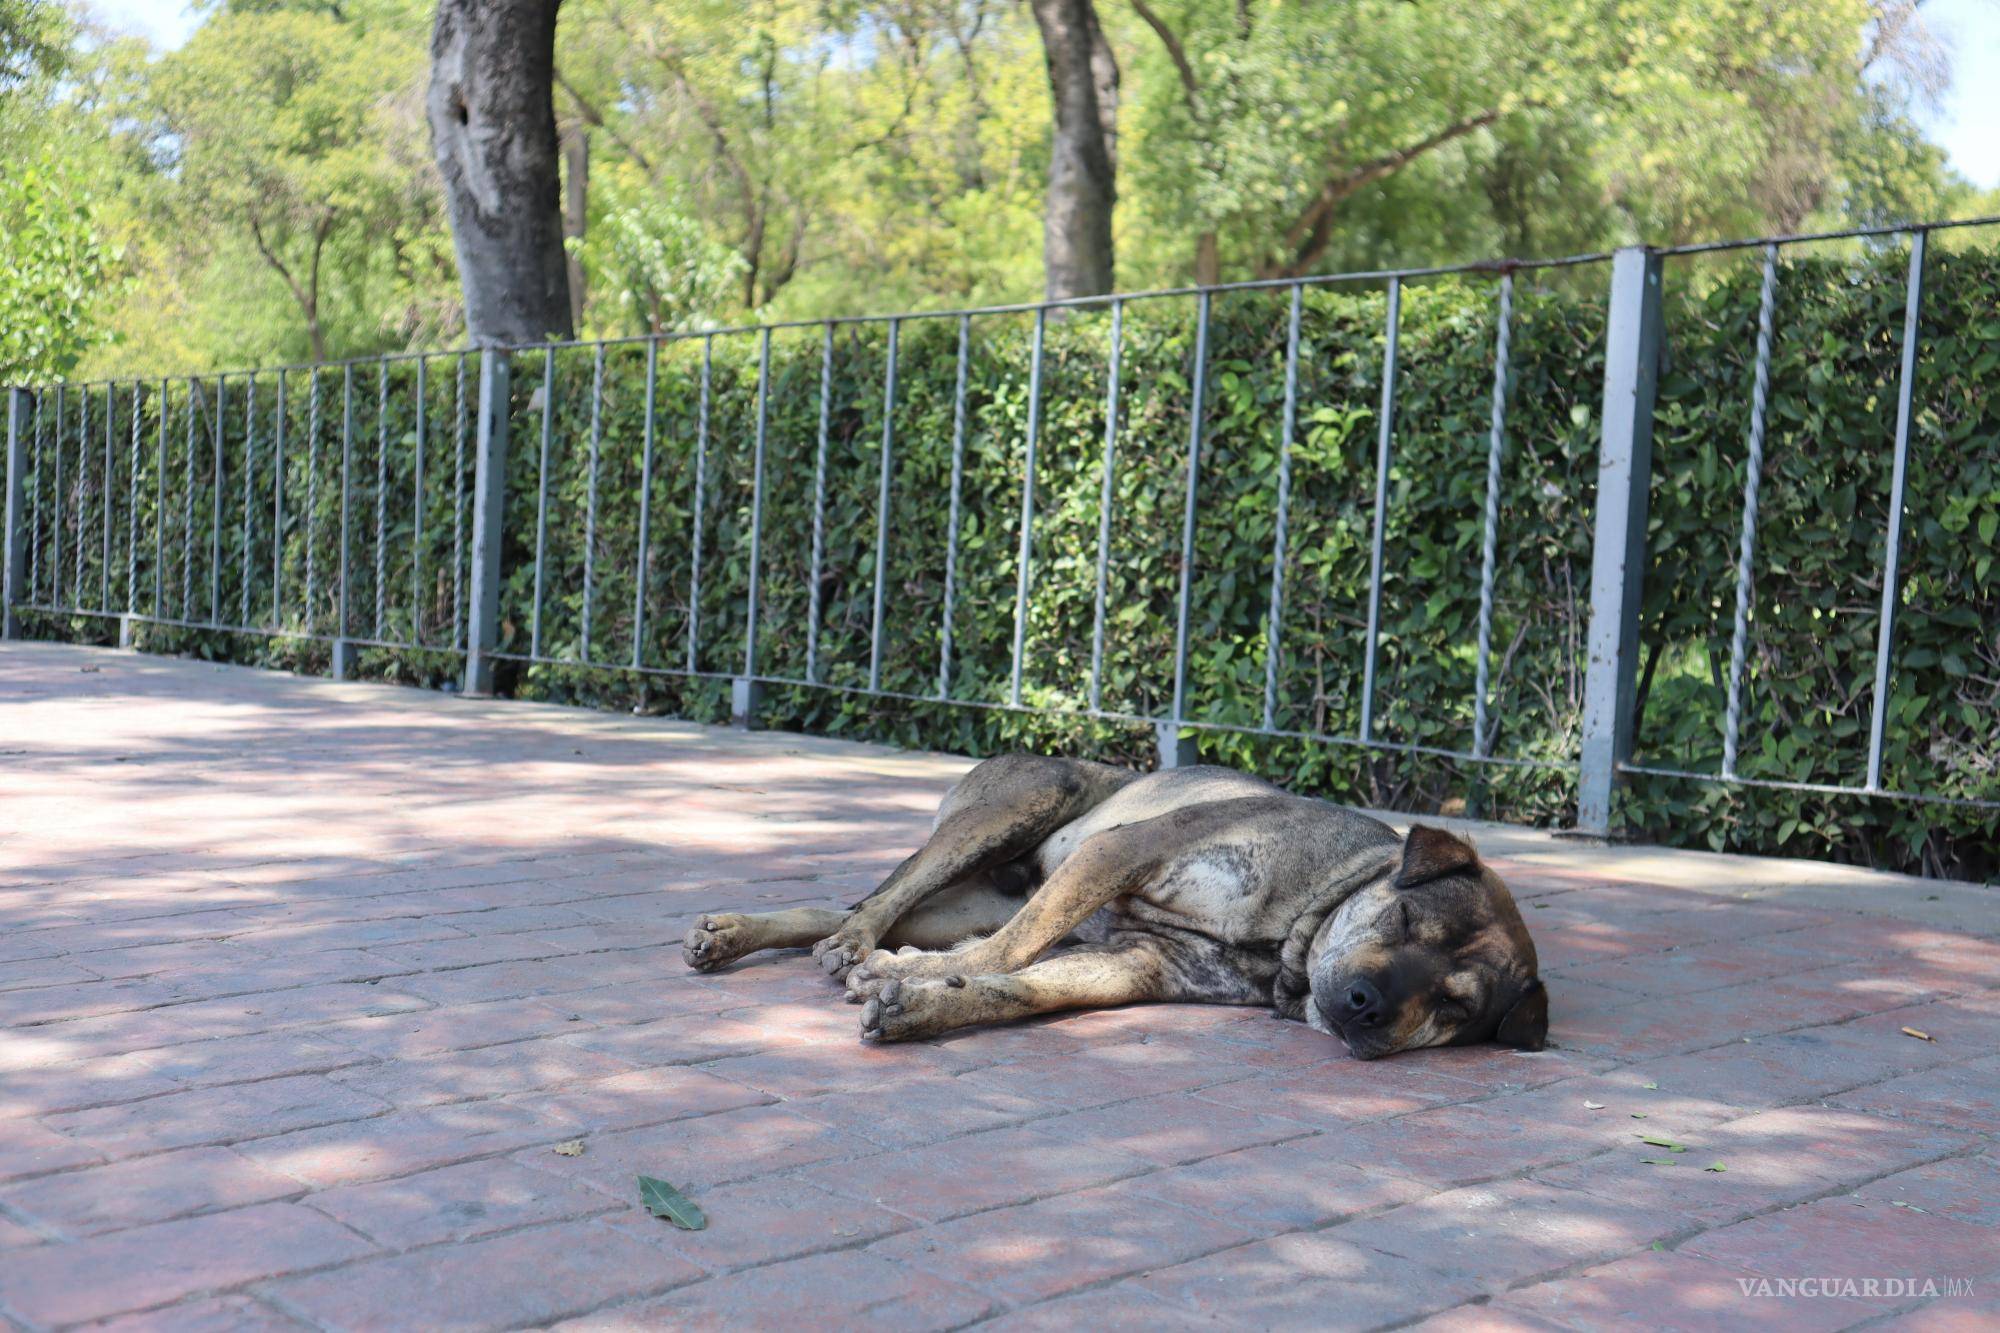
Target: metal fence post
<point>489,493</point>
<point>1632,344</point>
<point>13,590</point>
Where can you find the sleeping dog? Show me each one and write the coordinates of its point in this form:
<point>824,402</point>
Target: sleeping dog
<point>1052,884</point>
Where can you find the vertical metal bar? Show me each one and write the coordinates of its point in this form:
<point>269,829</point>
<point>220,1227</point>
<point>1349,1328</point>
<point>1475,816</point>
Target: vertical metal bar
<point>35,506</point>
<point>1892,555</point>
<point>104,553</point>
<point>1022,572</point>
<point>132,514</point>
<point>957,486</point>
<point>1746,549</point>
<point>249,472</point>
<point>56,509</point>
<point>1195,411</point>
<point>458,513</point>
<point>590,500</point>
<point>1276,617</point>
<point>1385,435</point>
<point>381,493</point>
<point>82,487</point>
<point>312,498</point>
<point>757,502</point>
<point>13,589</point>
<point>159,500</point>
<point>215,510</point>
<point>187,502</point>
<point>882,508</point>
<point>346,492</point>
<point>1105,496</point>
<point>1496,440</point>
<point>645,507</point>
<point>542,494</point>
<point>1632,341</point>
<point>489,511</point>
<point>417,507</point>
<point>819,507</point>
<point>280,423</point>
<point>700,503</point>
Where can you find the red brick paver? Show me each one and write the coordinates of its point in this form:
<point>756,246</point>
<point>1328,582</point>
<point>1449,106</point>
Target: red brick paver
<point>302,984</point>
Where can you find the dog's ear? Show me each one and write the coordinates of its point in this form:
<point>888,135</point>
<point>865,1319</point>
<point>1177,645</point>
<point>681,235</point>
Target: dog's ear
<point>1526,1026</point>
<point>1431,853</point>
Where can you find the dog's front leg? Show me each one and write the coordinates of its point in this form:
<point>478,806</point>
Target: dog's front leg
<point>1087,977</point>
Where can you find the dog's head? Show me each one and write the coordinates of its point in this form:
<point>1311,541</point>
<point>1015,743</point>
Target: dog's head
<point>1432,954</point>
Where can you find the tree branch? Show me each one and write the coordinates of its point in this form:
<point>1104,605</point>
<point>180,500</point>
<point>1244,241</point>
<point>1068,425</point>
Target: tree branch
<point>1190,85</point>
<point>594,117</point>
<point>1307,237</point>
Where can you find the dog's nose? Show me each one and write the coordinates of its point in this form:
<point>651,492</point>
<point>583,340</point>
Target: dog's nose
<point>1358,1004</point>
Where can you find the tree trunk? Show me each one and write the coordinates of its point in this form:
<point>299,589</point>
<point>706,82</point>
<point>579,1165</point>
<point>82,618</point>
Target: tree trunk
<point>1207,260</point>
<point>1083,85</point>
<point>493,127</point>
<point>576,213</point>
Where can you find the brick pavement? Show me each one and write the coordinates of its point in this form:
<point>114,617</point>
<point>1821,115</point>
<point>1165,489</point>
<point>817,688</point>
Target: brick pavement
<point>301,982</point>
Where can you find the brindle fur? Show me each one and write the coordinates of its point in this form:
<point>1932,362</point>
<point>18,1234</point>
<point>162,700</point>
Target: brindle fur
<point>1053,884</point>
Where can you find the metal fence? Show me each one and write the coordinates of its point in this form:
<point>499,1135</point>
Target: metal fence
<point>366,504</point>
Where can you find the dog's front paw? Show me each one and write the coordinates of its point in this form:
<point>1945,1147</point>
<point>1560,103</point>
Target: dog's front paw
<point>839,952</point>
<point>717,939</point>
<point>911,1010</point>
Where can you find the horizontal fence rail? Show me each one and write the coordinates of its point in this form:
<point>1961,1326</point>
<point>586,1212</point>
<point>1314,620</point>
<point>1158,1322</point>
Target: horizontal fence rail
<point>1147,509</point>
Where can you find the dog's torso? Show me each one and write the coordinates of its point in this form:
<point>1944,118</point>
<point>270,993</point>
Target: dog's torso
<point>1221,911</point>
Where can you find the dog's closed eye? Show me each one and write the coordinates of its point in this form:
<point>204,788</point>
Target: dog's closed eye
<point>1405,908</point>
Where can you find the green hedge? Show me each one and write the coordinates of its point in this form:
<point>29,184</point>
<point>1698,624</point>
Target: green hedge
<point>1817,571</point>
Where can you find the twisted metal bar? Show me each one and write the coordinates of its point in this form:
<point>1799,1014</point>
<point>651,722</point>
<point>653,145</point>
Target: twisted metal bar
<point>1195,412</point>
<point>951,530</point>
<point>417,508</point>
<point>312,495</point>
<point>458,513</point>
<point>1284,511</point>
<point>1027,510</point>
<point>278,413</point>
<point>132,514</point>
<point>757,501</point>
<point>381,494</point>
<point>1746,550</point>
<point>590,495</point>
<point>249,470</point>
<point>82,489</point>
<point>1496,442</point>
<point>1384,435</point>
<point>645,508</point>
<point>882,507</point>
<point>1105,495</point>
<point>700,500</point>
<point>542,495</point>
<point>819,505</point>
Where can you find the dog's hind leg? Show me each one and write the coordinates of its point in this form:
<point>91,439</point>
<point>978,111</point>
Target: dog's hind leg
<point>999,812</point>
<point>719,938</point>
<point>1086,977</point>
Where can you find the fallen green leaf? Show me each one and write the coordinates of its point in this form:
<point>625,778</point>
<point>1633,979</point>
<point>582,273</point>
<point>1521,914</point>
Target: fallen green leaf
<point>1656,1161</point>
<point>663,1200</point>
<point>1649,1085</point>
<point>1658,1142</point>
<point>1715,1166</point>
<point>1638,1115</point>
